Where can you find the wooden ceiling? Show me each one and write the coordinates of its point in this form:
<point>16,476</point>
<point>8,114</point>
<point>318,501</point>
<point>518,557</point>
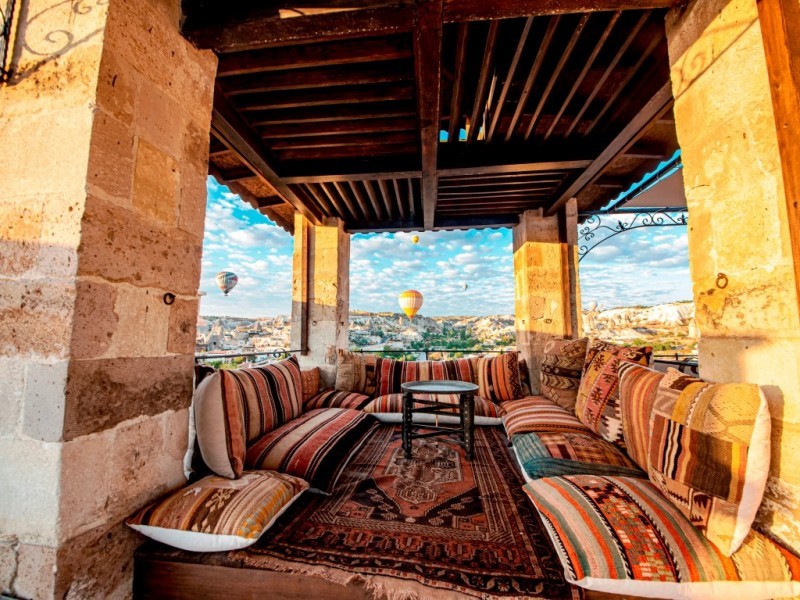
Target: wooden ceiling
<point>434,114</point>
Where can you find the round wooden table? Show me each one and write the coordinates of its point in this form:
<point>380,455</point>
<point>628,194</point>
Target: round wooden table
<point>462,433</point>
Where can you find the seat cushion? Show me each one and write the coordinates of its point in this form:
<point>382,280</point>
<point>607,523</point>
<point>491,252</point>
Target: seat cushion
<point>597,403</point>
<point>216,513</point>
<point>710,453</point>
<point>332,398</point>
<point>233,408</point>
<point>637,394</point>
<point>620,535</point>
<point>550,454</point>
<point>538,414</point>
<point>391,373</point>
<point>389,409</point>
<point>355,372</point>
<point>316,446</point>
<point>498,377</point>
<point>561,367</point>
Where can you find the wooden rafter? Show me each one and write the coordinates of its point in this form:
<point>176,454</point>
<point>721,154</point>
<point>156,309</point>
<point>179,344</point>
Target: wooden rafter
<point>456,11</point>
<point>483,82</point>
<point>332,97</point>
<point>458,83</point>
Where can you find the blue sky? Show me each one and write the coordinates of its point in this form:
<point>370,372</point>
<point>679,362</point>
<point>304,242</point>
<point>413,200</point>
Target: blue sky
<point>646,266</point>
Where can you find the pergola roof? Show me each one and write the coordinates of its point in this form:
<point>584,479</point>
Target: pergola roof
<point>435,114</point>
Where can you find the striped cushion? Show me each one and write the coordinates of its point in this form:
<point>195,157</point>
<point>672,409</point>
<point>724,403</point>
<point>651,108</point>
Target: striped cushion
<point>236,407</point>
<point>391,373</point>
<point>310,383</point>
<point>710,453</point>
<point>637,393</point>
<point>332,398</point>
<point>355,372</point>
<point>620,535</point>
<point>550,454</point>
<point>216,514</point>
<point>498,377</point>
<point>597,403</point>
<point>316,446</point>
<point>393,403</point>
<point>538,414</point>
<point>561,368</point>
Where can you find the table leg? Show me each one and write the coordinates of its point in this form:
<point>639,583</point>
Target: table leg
<point>469,424</point>
<point>407,422</point>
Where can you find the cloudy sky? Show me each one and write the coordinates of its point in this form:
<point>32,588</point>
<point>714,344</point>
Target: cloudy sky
<point>648,266</point>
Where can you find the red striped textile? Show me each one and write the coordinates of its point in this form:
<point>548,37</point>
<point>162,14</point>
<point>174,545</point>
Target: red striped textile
<point>393,403</point>
<point>316,446</point>
<point>332,398</point>
<point>637,393</point>
<point>391,373</point>
<point>538,414</point>
<point>498,377</point>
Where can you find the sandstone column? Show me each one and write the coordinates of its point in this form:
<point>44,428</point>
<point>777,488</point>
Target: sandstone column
<point>103,154</point>
<point>320,293</point>
<point>546,287</point>
<point>739,240</point>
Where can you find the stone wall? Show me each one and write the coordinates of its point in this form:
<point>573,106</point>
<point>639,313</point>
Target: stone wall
<point>739,244</point>
<point>103,151</point>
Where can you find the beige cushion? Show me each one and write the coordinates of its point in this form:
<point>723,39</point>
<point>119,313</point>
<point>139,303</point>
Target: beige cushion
<point>355,372</point>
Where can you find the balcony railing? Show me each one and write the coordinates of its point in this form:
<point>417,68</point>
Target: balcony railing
<point>428,353</point>
<point>272,354</point>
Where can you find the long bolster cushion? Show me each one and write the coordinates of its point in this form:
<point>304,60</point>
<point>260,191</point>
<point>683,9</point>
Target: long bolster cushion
<point>538,414</point>
<point>389,409</point>
<point>332,398</point>
<point>316,446</point>
<point>620,535</point>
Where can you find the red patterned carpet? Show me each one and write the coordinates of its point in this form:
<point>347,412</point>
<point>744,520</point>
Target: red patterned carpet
<point>436,526</point>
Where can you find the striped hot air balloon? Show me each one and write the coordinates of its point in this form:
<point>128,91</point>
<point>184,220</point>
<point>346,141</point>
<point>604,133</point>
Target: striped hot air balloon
<point>227,281</point>
<point>410,301</point>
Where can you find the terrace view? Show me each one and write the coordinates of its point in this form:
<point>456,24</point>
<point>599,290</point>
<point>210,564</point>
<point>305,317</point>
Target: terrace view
<point>565,453</point>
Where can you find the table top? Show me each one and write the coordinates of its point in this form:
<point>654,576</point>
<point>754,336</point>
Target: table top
<point>439,387</point>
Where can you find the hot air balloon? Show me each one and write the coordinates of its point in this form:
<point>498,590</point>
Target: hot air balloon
<point>465,286</point>
<point>410,301</point>
<point>415,239</point>
<point>227,281</point>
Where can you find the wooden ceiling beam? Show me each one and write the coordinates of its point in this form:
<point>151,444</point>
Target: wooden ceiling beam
<point>242,141</point>
<point>659,104</point>
<point>648,150</point>
<point>354,189</point>
<point>386,197</point>
<point>400,204</point>
<point>329,114</point>
<point>489,220</point>
<point>333,96</point>
<point>503,168</point>
<point>458,83</point>
<point>454,184</point>
<point>332,141</point>
<point>347,151</point>
<point>483,83</point>
<point>351,176</point>
<point>326,129</point>
<point>376,206</point>
<point>456,11</point>
<point>428,67</point>
<point>260,28</point>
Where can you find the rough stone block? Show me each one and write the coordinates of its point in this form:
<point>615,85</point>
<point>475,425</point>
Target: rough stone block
<point>111,159</point>
<point>36,568</point>
<point>176,442</point>
<point>195,146</point>
<point>117,87</point>
<point>43,411</point>
<point>95,318</point>
<point>8,565</point>
<point>143,325</point>
<point>85,475</point>
<point>11,394</point>
<point>193,200</point>
<point>104,392</point>
<point>182,326</point>
<point>155,184</point>
<point>160,120</point>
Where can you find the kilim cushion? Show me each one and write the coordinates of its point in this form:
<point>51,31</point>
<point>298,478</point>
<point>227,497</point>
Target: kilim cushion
<point>597,403</point>
<point>391,374</point>
<point>561,368</point>
<point>310,382</point>
<point>637,393</point>
<point>389,409</point>
<point>355,372</point>
<point>710,453</point>
<point>498,377</point>
<point>620,535</point>
<point>316,446</point>
<point>332,398</point>
<point>216,513</point>
<point>550,454</point>
<point>538,414</point>
<point>236,407</point>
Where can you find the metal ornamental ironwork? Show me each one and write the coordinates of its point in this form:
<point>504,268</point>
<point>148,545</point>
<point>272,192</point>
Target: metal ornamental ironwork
<point>6,18</point>
<point>595,229</point>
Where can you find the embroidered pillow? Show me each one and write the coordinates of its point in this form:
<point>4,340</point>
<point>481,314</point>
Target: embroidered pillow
<point>637,393</point>
<point>355,372</point>
<point>597,403</point>
<point>216,514</point>
<point>310,383</point>
<point>561,368</point>
<point>498,377</point>
<point>710,453</point>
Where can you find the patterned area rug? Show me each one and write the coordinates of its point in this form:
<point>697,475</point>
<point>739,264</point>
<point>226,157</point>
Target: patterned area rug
<point>436,526</point>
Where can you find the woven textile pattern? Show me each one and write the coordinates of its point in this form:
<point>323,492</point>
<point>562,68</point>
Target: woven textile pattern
<point>355,372</point>
<point>621,528</point>
<point>550,454</point>
<point>701,456</point>
<point>316,446</point>
<point>597,403</point>
<point>310,383</point>
<point>561,369</point>
<point>391,373</point>
<point>637,394</point>
<point>242,507</point>
<point>393,403</point>
<point>538,414</point>
<point>332,398</point>
<point>498,377</point>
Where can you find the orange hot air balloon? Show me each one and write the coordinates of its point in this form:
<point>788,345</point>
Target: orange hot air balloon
<point>410,301</point>
<point>415,239</point>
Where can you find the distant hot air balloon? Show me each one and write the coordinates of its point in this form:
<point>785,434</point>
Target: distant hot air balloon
<point>410,301</point>
<point>415,239</point>
<point>465,286</point>
<point>227,281</point>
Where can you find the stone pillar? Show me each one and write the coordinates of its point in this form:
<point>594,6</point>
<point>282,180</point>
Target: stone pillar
<point>739,240</point>
<point>320,293</point>
<point>546,287</point>
<point>103,153</point>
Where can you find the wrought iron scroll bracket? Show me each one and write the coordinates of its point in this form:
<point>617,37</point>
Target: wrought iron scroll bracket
<point>596,229</point>
<point>6,20</point>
